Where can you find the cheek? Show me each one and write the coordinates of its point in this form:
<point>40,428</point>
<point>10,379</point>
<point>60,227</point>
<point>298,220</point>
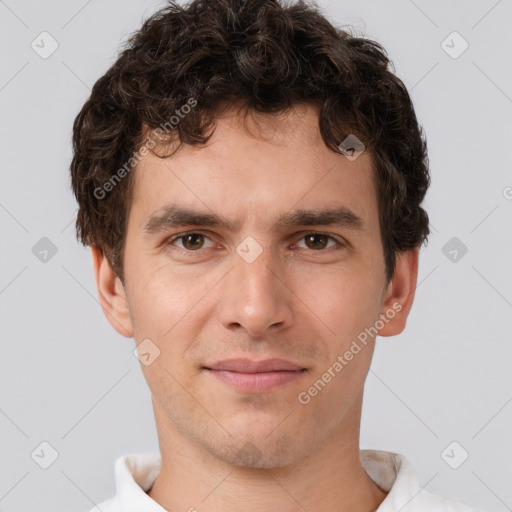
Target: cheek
<point>171,315</point>
<point>159,300</point>
<point>344,301</point>
<point>163,314</point>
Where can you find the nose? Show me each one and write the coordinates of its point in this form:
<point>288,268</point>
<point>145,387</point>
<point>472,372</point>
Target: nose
<point>256,296</point>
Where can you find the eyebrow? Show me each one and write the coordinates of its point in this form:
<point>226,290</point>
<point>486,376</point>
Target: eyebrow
<point>173,216</point>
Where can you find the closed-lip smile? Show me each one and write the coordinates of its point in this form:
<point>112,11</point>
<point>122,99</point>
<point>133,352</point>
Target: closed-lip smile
<point>251,376</point>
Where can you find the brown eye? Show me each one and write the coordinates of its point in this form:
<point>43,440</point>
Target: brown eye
<point>191,242</point>
<point>318,241</point>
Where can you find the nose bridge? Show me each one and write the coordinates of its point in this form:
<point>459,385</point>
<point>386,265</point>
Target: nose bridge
<point>255,258</point>
<point>257,296</point>
<point>256,277</point>
<point>260,274</point>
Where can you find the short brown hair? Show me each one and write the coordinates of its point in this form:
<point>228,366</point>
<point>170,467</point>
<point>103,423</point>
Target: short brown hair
<point>267,56</point>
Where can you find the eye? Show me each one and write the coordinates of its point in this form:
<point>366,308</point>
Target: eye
<point>191,242</point>
<point>319,241</point>
<point>195,241</point>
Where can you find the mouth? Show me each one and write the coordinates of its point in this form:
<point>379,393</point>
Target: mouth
<point>255,376</point>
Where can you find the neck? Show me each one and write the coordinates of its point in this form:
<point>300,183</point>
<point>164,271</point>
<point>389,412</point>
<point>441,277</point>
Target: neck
<point>331,478</point>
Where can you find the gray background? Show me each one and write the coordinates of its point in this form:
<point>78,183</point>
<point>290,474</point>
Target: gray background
<point>68,379</point>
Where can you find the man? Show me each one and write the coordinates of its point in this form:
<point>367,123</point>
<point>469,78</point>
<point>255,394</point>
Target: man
<point>250,181</point>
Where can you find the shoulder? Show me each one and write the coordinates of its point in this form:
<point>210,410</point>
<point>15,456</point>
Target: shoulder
<point>426,501</point>
<point>393,473</point>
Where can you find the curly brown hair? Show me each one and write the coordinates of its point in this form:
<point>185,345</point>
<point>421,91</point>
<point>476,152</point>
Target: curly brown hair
<point>267,56</point>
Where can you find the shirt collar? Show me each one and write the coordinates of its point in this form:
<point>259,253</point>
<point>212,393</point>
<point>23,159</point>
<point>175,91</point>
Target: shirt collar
<point>135,475</point>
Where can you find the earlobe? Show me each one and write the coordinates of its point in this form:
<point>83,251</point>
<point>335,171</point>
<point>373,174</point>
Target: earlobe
<point>400,292</point>
<point>111,294</point>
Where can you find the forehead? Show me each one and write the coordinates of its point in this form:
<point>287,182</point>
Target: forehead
<point>259,165</point>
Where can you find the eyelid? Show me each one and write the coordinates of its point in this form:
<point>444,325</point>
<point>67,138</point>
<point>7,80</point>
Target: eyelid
<point>339,240</point>
<point>173,238</point>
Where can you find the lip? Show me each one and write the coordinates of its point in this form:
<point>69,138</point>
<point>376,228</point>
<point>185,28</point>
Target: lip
<point>255,376</point>
<point>249,366</point>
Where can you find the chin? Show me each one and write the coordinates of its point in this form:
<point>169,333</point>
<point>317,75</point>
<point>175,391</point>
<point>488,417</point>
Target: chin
<point>258,453</point>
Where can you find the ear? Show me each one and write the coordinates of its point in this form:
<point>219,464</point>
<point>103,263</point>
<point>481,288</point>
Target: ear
<point>111,294</point>
<point>399,294</point>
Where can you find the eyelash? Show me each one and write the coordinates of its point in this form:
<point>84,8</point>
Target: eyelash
<point>171,240</point>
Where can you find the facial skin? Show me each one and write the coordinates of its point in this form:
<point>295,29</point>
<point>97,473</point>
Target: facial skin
<point>303,300</point>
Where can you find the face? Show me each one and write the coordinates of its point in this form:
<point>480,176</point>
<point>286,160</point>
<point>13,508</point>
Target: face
<point>262,245</point>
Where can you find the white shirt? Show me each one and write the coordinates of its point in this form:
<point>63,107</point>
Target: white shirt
<point>135,474</point>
